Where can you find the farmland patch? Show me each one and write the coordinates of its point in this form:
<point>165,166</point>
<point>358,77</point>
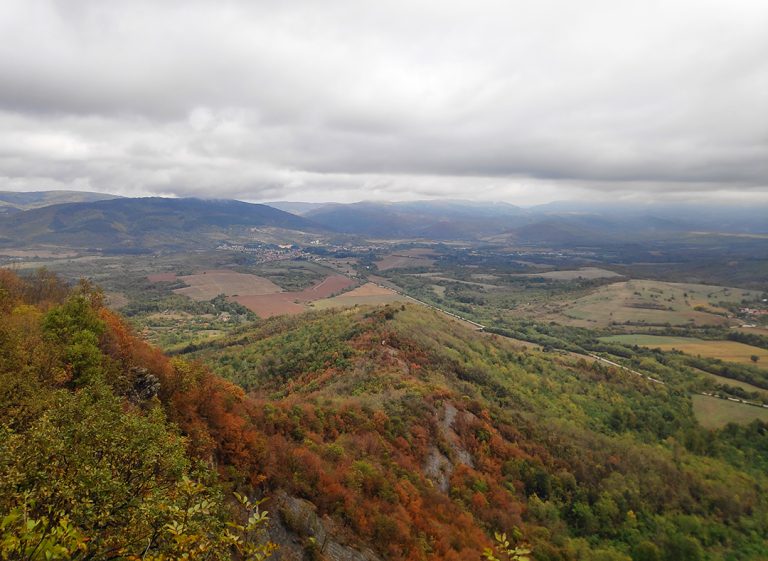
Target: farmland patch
<point>368,294</point>
<point>279,303</point>
<point>644,303</point>
<point>209,284</point>
<point>729,351</point>
<point>713,412</point>
<point>407,259</point>
<point>586,273</point>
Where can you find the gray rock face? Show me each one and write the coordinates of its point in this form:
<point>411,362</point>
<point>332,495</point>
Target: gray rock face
<point>145,385</point>
<point>295,521</point>
<point>439,467</point>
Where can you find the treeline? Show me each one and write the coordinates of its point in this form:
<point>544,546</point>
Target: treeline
<point>753,339</point>
<point>150,298</point>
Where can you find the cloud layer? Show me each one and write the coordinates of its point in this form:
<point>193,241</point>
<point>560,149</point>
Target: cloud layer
<point>520,101</point>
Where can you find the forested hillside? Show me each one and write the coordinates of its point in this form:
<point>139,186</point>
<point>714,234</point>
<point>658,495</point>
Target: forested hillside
<point>107,447</point>
<point>421,437</point>
<point>395,431</point>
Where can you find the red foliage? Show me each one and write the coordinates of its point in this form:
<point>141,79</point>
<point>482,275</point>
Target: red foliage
<point>214,414</point>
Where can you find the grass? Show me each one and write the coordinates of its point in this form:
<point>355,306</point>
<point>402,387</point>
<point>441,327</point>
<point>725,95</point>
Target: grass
<point>638,302</point>
<point>583,273</point>
<point>368,294</point>
<point>729,351</point>
<point>713,412</point>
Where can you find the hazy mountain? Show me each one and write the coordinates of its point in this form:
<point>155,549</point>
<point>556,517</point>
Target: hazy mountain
<point>670,216</point>
<point>585,228</point>
<point>420,219</point>
<point>297,208</point>
<point>155,222</point>
<point>11,202</point>
<point>143,222</point>
<point>561,222</point>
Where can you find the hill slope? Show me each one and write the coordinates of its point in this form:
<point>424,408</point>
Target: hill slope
<point>90,466</point>
<point>143,222</point>
<point>418,437</point>
<point>384,433</point>
<point>12,202</point>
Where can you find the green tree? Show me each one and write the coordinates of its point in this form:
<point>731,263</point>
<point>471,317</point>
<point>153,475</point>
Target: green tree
<point>76,327</point>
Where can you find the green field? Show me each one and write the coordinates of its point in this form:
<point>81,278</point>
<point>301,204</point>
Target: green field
<point>713,412</point>
<point>644,302</point>
<point>729,351</point>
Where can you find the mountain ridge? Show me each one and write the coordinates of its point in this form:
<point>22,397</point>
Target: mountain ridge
<point>143,222</point>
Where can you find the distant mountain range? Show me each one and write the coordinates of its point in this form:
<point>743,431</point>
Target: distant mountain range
<point>106,221</point>
<point>12,202</point>
<point>151,222</point>
<point>419,219</point>
<point>560,222</point>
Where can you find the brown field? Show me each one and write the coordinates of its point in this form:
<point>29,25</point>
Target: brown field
<point>713,412</point>
<point>325,288</point>
<point>209,284</point>
<point>368,294</point>
<point>162,277</point>
<point>279,303</point>
<point>405,259</point>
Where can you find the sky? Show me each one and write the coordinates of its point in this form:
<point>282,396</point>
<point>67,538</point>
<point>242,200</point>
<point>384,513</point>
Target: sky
<point>517,101</point>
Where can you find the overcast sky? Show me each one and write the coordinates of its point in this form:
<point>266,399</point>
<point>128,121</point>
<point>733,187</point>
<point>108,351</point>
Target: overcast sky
<point>521,101</point>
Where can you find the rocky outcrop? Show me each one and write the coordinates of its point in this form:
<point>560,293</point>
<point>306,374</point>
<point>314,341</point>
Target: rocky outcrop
<point>440,463</point>
<point>303,535</point>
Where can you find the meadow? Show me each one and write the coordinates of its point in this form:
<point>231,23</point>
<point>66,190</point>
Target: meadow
<point>368,294</point>
<point>715,413</point>
<point>653,303</point>
<point>587,273</point>
<point>729,351</point>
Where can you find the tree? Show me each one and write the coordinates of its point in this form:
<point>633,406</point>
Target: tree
<point>503,550</point>
<point>91,480</point>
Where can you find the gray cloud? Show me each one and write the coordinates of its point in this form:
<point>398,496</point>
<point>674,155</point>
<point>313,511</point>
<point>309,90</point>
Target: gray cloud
<point>262,100</point>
